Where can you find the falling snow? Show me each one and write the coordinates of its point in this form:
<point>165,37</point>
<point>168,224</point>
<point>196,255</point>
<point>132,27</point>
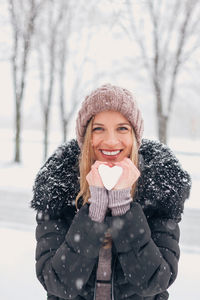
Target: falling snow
<point>77,237</point>
<point>186,257</point>
<point>79,283</point>
<point>156,186</point>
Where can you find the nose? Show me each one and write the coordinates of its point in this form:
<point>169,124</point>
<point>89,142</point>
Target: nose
<point>111,139</point>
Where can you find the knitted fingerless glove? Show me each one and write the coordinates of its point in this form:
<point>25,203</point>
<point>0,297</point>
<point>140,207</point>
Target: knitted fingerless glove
<point>98,203</point>
<point>119,201</point>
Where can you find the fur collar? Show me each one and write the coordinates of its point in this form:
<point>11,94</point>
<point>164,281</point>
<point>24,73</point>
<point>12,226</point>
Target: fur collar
<point>162,187</point>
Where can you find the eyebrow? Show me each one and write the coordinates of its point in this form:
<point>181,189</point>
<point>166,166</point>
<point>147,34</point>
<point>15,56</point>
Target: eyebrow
<point>119,124</point>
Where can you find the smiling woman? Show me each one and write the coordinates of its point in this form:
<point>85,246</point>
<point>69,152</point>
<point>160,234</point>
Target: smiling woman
<point>112,137</point>
<point>107,239</point>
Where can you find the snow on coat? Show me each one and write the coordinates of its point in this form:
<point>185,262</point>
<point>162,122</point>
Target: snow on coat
<point>162,187</point>
<point>145,256</point>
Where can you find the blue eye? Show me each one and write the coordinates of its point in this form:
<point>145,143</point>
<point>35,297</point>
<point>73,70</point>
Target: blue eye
<point>123,128</point>
<point>96,128</point>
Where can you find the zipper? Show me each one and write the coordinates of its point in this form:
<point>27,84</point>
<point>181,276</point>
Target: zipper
<point>95,290</point>
<point>112,282</point>
<point>112,288</point>
<point>95,286</point>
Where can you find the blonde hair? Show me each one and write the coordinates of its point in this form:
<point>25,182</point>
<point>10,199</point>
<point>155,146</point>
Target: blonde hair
<point>87,159</point>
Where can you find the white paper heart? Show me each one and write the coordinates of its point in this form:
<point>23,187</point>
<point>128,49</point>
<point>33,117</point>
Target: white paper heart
<point>109,176</point>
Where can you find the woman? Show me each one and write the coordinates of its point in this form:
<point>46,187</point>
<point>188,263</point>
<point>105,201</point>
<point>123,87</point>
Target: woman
<point>95,242</point>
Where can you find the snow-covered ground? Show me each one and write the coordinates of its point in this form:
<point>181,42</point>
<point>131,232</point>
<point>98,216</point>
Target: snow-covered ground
<point>18,280</point>
<point>17,220</point>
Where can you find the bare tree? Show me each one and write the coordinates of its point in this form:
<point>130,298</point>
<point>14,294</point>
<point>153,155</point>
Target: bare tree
<point>4,26</point>
<point>47,44</point>
<point>167,34</point>
<point>76,20</point>
<point>68,108</point>
<point>63,57</point>
<point>23,15</point>
<point>54,30</point>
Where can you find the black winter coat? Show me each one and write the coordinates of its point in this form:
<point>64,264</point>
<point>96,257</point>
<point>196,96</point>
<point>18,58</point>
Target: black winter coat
<point>145,249</point>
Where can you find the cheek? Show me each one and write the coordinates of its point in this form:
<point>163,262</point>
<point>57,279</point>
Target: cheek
<point>128,141</point>
<point>129,145</point>
<point>95,141</point>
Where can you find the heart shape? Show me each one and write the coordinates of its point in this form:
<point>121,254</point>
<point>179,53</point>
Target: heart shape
<point>109,176</point>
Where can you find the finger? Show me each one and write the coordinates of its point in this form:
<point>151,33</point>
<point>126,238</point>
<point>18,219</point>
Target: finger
<point>98,163</point>
<point>132,165</point>
<point>136,173</point>
<point>88,177</point>
<point>129,161</point>
<point>119,163</point>
<point>122,164</point>
<point>94,169</point>
<point>95,166</point>
<point>136,169</point>
<point>110,164</point>
<point>101,162</point>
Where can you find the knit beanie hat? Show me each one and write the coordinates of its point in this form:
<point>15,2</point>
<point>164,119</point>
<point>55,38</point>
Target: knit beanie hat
<point>109,97</point>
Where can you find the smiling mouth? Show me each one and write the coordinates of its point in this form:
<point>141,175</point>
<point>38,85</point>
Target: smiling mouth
<point>111,153</point>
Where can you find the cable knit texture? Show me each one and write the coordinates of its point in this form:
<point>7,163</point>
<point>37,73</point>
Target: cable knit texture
<point>98,203</point>
<point>119,201</point>
<point>109,97</point>
<point>101,199</point>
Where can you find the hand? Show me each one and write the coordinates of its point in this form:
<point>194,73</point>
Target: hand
<point>129,175</point>
<point>93,178</point>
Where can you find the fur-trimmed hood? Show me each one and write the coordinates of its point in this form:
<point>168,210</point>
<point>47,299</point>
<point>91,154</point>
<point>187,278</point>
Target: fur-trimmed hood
<point>162,187</point>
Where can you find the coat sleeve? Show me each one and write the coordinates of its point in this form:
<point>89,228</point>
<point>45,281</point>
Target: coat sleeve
<point>67,252</point>
<point>148,252</point>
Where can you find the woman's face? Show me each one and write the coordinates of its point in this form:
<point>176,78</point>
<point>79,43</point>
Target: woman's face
<point>112,137</point>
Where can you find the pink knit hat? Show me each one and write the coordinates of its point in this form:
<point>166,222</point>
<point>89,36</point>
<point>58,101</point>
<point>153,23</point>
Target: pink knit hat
<point>109,97</point>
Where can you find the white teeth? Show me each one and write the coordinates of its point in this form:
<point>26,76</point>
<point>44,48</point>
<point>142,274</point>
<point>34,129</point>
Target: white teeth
<point>110,152</point>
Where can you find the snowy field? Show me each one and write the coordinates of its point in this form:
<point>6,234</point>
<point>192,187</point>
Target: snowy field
<point>18,281</point>
<point>17,221</point>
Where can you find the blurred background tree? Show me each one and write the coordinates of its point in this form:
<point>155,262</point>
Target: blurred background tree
<point>23,15</point>
<point>167,34</point>
<point>59,45</point>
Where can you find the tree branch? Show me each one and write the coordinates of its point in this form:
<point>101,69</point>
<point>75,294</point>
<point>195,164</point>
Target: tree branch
<point>189,8</point>
<point>137,37</point>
